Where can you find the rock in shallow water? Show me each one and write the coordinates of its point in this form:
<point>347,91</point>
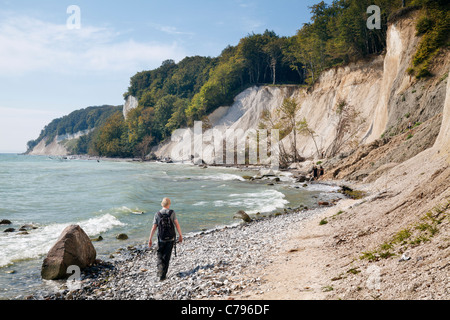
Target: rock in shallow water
<point>122,236</point>
<point>242,215</point>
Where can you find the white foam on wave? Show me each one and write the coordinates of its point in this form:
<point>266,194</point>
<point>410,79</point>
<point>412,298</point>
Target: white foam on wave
<point>201,203</point>
<point>322,187</point>
<point>287,177</point>
<point>219,177</point>
<point>15,247</point>
<point>253,202</point>
<point>124,209</point>
<point>95,226</point>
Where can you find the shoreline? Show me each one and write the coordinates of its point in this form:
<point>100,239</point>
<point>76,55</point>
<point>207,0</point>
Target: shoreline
<point>303,254</point>
<point>209,262</point>
<point>134,252</point>
<point>218,263</point>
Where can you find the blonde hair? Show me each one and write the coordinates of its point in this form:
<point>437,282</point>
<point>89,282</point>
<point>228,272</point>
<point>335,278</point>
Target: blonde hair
<point>165,202</point>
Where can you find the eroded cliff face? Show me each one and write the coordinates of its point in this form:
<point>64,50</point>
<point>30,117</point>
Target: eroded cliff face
<point>58,147</point>
<point>442,144</point>
<point>358,84</point>
<point>52,149</point>
<point>384,98</point>
<point>244,115</point>
<point>401,45</point>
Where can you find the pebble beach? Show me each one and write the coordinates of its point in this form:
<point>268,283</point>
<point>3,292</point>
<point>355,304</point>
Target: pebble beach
<point>215,264</point>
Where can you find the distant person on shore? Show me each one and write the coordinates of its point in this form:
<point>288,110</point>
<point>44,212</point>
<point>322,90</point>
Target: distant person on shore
<point>321,171</point>
<point>165,221</point>
<point>315,172</point>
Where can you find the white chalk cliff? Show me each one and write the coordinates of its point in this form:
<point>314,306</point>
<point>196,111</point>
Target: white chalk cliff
<point>130,104</point>
<point>57,146</point>
<point>380,90</point>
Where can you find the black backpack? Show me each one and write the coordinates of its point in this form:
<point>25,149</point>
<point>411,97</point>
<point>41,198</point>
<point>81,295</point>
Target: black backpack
<point>166,229</point>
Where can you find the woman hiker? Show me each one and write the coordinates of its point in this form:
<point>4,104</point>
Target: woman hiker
<point>165,221</point>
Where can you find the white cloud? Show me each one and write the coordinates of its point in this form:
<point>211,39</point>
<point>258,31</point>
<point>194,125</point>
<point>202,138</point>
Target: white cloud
<point>173,30</point>
<point>128,55</point>
<point>253,25</point>
<point>245,5</point>
<point>28,44</point>
<point>41,52</point>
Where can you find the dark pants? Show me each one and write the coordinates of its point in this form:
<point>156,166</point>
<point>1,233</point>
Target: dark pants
<point>163,255</point>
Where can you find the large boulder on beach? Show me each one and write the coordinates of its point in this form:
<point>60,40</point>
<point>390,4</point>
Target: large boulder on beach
<point>73,248</point>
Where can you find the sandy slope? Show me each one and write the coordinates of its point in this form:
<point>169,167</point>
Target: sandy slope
<point>317,261</point>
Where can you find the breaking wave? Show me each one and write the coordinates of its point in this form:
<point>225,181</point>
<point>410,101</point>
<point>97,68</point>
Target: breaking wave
<point>16,247</point>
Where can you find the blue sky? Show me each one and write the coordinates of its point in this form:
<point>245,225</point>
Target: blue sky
<point>48,70</point>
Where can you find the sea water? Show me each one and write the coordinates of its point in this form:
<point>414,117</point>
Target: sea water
<point>107,198</point>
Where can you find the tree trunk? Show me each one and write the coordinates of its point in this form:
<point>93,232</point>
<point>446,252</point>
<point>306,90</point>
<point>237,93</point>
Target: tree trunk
<point>295,145</point>
<point>312,71</point>
<point>274,69</point>
<point>318,153</point>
